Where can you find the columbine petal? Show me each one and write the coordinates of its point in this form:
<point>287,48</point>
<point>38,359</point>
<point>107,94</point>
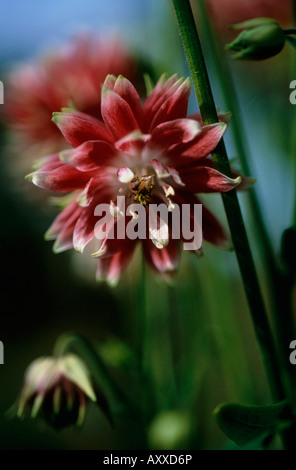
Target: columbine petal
<point>127,91</point>
<point>175,106</point>
<point>173,132</point>
<point>78,128</point>
<point>61,220</point>
<point>164,88</point>
<point>111,268</point>
<point>117,114</point>
<point>84,230</point>
<point>62,179</point>
<point>163,171</point>
<point>90,155</point>
<point>164,260</point>
<point>203,179</point>
<point>125,175</point>
<point>133,143</point>
<point>159,230</point>
<point>48,163</point>
<point>201,146</point>
<point>110,244</point>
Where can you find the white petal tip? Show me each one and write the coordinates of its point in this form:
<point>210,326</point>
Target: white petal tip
<point>125,175</point>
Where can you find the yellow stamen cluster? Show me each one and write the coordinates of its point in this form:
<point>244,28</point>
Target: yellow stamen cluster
<point>141,189</point>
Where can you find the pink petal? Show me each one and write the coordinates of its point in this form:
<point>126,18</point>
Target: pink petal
<point>162,90</point>
<point>51,162</point>
<point>61,220</point>
<point>126,90</point>
<point>110,81</point>
<point>171,105</point>
<point>117,114</point>
<point>246,181</point>
<point>163,171</point>
<point>78,128</point>
<point>174,132</point>
<point>111,268</point>
<point>162,260</point>
<point>86,196</point>
<point>61,179</point>
<point>84,228</point>
<point>125,175</point>
<point>90,155</point>
<point>160,169</point>
<point>133,143</point>
<point>202,179</point>
<point>62,228</point>
<point>201,146</point>
<point>110,245</point>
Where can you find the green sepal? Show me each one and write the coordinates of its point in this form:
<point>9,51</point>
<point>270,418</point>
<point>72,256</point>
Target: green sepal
<point>253,23</point>
<point>291,40</point>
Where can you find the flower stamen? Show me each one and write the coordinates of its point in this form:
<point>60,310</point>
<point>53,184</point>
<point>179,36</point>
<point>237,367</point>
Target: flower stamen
<point>141,189</point>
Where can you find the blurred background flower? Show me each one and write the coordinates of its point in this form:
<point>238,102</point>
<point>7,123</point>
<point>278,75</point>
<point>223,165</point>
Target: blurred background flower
<point>71,76</point>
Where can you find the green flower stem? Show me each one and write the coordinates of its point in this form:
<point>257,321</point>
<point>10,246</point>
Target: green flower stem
<point>144,326</point>
<point>120,403</point>
<point>208,111</point>
<point>283,324</point>
<point>144,348</point>
<point>157,346</point>
<point>228,89</point>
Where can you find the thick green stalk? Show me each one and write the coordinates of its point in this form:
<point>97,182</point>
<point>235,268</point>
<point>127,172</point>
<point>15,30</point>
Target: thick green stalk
<point>280,296</point>
<point>241,245</point>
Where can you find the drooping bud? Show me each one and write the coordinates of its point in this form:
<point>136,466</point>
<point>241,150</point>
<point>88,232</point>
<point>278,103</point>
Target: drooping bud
<point>56,389</point>
<point>260,39</point>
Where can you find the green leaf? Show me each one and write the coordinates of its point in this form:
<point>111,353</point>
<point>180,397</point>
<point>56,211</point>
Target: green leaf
<point>246,423</point>
<point>260,443</point>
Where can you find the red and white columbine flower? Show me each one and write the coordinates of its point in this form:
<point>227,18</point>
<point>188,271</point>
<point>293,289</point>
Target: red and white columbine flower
<point>148,153</point>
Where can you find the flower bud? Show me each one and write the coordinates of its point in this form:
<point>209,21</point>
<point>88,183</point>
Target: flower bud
<point>261,38</point>
<point>56,389</point>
